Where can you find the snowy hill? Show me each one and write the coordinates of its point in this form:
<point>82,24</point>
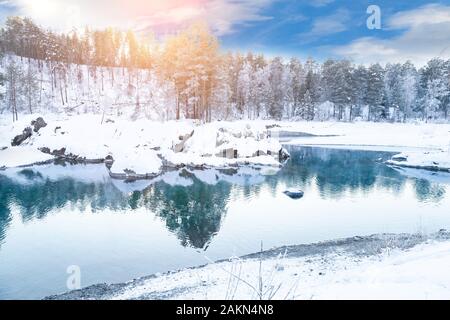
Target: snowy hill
<point>71,89</point>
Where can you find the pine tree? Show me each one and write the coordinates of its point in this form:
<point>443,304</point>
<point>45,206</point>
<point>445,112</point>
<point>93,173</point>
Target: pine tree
<point>375,91</point>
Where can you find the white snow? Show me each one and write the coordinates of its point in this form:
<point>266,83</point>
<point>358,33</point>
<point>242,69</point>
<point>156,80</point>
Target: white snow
<point>423,145</point>
<point>16,157</point>
<point>439,160</point>
<point>417,273</point>
<point>135,145</point>
<point>370,135</point>
<point>89,173</point>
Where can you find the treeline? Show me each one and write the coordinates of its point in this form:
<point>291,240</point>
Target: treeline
<point>203,83</point>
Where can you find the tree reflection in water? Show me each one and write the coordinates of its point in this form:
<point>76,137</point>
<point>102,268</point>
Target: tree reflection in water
<point>194,212</point>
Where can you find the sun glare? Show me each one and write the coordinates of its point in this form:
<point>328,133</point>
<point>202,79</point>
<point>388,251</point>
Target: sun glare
<point>41,8</point>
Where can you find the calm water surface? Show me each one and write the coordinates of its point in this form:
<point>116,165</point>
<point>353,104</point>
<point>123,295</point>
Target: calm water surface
<point>52,217</point>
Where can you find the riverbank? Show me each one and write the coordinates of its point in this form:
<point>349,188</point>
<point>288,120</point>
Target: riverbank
<point>144,148</point>
<point>141,148</point>
<point>386,266</point>
<point>419,145</point>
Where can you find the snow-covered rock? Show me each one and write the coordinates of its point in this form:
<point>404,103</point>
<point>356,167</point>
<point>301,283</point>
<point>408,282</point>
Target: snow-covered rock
<point>142,147</point>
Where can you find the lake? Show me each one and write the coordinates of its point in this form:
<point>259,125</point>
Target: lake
<point>53,217</point>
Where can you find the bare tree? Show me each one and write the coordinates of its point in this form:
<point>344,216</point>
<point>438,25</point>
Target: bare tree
<point>14,78</point>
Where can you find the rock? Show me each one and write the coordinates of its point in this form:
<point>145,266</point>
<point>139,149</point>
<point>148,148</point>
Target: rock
<point>2,168</point>
<point>229,153</point>
<point>59,153</point>
<point>259,153</point>
<point>109,161</point>
<point>400,158</point>
<point>3,148</point>
<point>38,124</point>
<point>129,172</point>
<point>283,154</point>
<point>294,193</point>
<point>179,147</point>
<point>45,150</point>
<point>221,138</point>
<point>228,171</point>
<point>18,140</point>
<point>57,128</point>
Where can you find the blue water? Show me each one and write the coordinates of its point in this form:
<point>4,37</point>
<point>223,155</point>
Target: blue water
<point>53,217</point>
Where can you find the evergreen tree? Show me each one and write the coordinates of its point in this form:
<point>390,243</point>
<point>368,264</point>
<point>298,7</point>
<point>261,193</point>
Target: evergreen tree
<point>375,92</point>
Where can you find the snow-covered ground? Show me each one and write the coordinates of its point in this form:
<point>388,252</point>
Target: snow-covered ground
<point>423,145</point>
<point>376,267</point>
<point>139,145</point>
<point>142,145</point>
<point>412,274</point>
<point>369,135</point>
<point>430,160</point>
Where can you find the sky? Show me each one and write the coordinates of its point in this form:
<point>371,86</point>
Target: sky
<point>410,29</point>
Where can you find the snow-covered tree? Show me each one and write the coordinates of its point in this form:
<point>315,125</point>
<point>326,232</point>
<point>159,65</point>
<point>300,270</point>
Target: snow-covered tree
<point>14,83</point>
<point>375,92</point>
<point>409,89</point>
<point>275,103</point>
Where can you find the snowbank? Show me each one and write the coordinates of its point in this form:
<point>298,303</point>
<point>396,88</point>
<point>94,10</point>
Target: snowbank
<point>369,135</point>
<point>141,147</point>
<point>374,267</point>
<point>418,273</point>
<point>424,146</point>
<point>17,157</point>
<point>434,161</point>
<point>90,173</point>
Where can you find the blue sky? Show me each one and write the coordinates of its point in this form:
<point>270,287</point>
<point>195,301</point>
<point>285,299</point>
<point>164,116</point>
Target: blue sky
<point>414,30</point>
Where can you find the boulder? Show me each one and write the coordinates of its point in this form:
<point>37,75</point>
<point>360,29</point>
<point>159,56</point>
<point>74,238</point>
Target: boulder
<point>400,158</point>
<point>109,161</point>
<point>59,153</point>
<point>272,126</point>
<point>18,140</point>
<point>179,147</point>
<point>45,150</point>
<point>283,154</point>
<point>38,124</point>
<point>259,153</point>
<point>294,193</point>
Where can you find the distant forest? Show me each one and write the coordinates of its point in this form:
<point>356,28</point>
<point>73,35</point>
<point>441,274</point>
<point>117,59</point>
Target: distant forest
<point>187,75</point>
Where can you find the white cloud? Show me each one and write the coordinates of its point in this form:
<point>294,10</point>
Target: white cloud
<point>426,34</point>
<point>324,26</point>
<point>222,15</point>
<point>320,3</point>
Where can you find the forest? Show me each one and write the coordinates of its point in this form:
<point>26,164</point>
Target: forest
<point>188,76</point>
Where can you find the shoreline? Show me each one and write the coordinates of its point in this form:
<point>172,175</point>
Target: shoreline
<point>142,151</point>
<point>328,253</point>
